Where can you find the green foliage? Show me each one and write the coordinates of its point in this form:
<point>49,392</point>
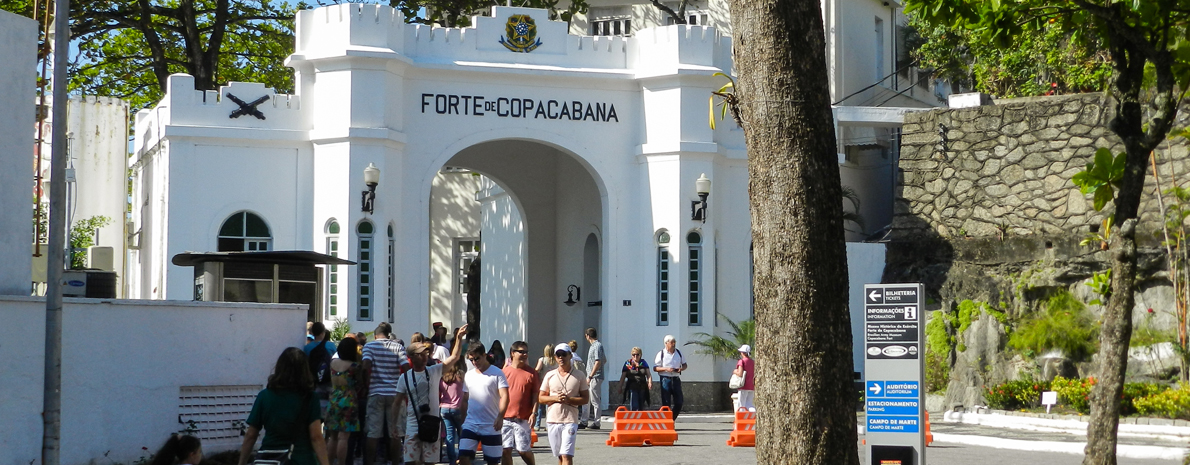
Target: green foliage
<point>1147,333</point>
<point>970,311</point>
<point>1063,325</point>
<point>1169,403</point>
<point>938,346</point>
<point>340,329</point>
<point>1074,393</point>
<point>1134,392</point>
<point>82,235</point>
<point>1101,177</point>
<point>727,348</point>
<point>1100,283</point>
<point>1049,60</point>
<point>1016,395</point>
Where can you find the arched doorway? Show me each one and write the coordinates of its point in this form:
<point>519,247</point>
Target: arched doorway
<point>532,213</point>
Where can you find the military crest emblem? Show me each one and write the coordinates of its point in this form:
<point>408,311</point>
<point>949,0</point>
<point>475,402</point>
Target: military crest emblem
<point>520,34</point>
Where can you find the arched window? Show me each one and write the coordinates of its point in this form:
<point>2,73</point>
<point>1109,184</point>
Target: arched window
<point>332,279</point>
<point>392,249</point>
<point>244,231</point>
<point>364,266</point>
<point>694,260</point>
<point>662,277</point>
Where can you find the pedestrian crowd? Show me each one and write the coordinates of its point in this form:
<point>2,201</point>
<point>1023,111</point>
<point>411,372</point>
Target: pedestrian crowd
<point>440,399</point>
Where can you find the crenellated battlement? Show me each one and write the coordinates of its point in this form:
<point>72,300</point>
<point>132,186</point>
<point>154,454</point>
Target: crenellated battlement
<point>336,27</point>
<point>183,105</point>
<point>334,30</point>
<point>680,44</point>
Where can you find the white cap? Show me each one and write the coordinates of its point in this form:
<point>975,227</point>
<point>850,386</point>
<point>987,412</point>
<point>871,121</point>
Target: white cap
<point>563,347</point>
<point>747,349</point>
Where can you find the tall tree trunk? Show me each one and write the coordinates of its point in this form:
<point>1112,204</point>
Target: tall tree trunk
<point>805,398</point>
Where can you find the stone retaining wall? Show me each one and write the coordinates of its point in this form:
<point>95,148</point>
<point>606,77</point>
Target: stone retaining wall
<point>1005,169</point>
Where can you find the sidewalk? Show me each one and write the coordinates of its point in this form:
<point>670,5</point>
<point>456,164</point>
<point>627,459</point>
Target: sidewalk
<point>1136,437</point>
<point>1025,432</point>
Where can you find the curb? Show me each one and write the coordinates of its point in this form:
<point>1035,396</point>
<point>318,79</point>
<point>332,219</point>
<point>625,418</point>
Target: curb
<point>1165,430</point>
<point>1076,448</point>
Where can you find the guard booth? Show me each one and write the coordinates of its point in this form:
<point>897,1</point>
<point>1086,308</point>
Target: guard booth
<point>288,277</point>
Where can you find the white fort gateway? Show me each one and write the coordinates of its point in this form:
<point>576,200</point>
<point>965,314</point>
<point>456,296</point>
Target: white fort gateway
<point>567,163</point>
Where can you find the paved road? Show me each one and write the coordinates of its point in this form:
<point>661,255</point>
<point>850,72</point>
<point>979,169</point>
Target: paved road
<point>703,440</point>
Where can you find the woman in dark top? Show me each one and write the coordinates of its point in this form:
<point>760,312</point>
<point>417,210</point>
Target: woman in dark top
<point>636,381</point>
<point>496,355</point>
<point>288,412</point>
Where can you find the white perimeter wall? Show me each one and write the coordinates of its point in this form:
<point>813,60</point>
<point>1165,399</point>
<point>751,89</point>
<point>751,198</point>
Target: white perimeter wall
<point>18,47</point>
<point>123,364</point>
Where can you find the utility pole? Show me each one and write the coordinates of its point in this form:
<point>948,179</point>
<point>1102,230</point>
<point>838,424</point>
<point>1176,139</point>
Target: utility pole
<point>52,395</point>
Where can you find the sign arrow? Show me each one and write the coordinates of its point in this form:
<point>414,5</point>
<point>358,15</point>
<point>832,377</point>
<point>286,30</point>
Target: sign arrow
<point>874,295</point>
<point>875,388</point>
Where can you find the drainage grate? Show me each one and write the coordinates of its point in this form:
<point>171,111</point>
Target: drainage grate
<point>215,413</point>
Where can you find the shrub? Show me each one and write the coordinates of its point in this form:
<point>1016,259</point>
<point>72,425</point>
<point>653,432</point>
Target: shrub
<point>1074,393</point>
<point>1016,395</point>
<point>1136,391</point>
<point>938,346</point>
<point>1169,403</point>
<point>340,329</point>
<point>1064,325</point>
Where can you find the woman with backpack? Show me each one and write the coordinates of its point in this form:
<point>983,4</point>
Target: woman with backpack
<point>288,412</point>
<point>636,381</point>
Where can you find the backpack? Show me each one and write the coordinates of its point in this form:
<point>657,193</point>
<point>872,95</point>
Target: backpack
<point>320,367</point>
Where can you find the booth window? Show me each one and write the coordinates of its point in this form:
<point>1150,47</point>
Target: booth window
<point>694,260</point>
<point>663,278</point>
<point>244,231</point>
<point>364,267</point>
<point>332,279</point>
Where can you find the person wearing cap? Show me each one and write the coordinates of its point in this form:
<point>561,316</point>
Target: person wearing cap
<point>420,386</point>
<point>669,365</point>
<point>564,391</point>
<point>746,368</point>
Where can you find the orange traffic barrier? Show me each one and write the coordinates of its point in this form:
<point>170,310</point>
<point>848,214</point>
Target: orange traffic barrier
<point>929,435</point>
<point>649,428</point>
<point>744,433</point>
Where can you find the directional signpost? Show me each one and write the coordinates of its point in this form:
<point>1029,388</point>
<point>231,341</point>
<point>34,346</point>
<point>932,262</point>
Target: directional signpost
<point>893,364</point>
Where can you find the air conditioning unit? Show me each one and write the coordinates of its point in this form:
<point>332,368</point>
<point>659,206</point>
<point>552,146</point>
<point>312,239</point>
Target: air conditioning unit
<point>96,284</point>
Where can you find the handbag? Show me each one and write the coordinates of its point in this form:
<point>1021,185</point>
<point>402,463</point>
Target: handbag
<point>736,381</point>
<point>428,426</point>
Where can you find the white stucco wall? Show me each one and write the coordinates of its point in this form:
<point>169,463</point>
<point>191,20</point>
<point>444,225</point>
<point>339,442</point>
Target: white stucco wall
<point>503,288</point>
<point>98,141</point>
<point>18,48</point>
<point>121,382</point>
<point>454,213</point>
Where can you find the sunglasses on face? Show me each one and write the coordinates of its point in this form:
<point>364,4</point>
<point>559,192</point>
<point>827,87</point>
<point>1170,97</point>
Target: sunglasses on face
<point>562,354</point>
<point>521,351</point>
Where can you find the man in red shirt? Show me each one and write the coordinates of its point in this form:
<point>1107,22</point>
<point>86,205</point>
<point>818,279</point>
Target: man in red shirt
<point>523,383</point>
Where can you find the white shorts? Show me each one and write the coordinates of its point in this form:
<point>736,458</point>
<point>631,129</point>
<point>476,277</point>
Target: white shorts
<point>562,438</point>
<point>516,434</point>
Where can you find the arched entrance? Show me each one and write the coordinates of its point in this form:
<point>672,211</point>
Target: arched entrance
<point>535,213</point>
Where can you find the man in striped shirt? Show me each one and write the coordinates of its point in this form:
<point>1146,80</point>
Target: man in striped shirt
<point>384,361</point>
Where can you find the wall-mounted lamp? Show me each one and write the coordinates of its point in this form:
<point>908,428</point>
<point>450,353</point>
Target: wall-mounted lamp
<point>371,179</point>
<point>573,295</point>
<point>698,208</point>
